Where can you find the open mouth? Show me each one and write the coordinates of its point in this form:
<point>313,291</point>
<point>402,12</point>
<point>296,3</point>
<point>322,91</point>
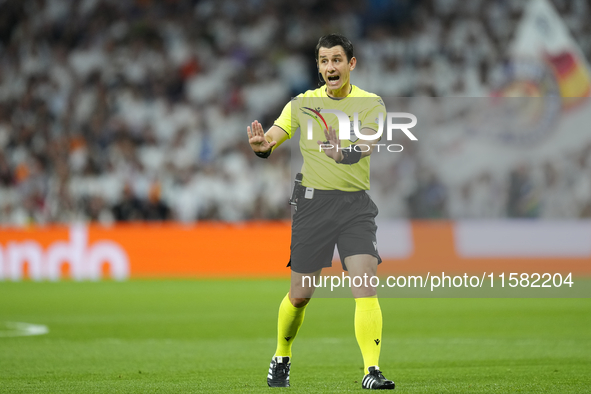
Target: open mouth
<point>333,78</point>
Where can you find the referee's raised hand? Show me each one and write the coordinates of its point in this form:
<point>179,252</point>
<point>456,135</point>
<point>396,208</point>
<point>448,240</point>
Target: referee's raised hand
<point>256,138</point>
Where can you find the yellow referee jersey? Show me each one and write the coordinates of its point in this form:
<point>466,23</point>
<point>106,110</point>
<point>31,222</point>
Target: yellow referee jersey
<point>319,170</point>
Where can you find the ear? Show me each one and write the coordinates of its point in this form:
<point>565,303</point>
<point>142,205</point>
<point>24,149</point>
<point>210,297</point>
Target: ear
<point>352,63</point>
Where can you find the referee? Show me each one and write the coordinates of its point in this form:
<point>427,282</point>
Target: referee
<point>334,208</point>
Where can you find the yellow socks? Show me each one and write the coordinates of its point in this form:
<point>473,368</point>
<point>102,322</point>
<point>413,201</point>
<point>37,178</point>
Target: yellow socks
<point>289,322</point>
<point>368,330</point>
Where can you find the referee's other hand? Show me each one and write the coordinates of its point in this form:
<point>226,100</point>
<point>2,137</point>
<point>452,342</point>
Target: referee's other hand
<point>256,138</point>
<point>332,145</point>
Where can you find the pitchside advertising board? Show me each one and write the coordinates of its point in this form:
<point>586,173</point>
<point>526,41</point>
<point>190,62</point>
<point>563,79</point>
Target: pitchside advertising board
<point>91,252</point>
<point>86,261</point>
<point>559,252</point>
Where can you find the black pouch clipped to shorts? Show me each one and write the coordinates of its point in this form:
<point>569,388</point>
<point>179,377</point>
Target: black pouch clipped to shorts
<point>298,190</point>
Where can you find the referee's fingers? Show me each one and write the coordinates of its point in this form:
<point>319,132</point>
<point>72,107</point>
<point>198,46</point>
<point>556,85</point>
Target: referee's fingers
<point>331,133</point>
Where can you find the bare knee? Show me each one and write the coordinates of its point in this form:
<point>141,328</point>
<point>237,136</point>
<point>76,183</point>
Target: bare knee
<point>299,302</point>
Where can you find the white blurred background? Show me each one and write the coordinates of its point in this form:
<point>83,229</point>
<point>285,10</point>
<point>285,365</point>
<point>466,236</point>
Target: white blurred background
<point>121,110</point>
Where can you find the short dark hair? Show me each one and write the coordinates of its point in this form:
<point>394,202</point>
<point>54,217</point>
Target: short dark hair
<point>333,40</point>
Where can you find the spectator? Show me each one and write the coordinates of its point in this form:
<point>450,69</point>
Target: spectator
<point>129,208</point>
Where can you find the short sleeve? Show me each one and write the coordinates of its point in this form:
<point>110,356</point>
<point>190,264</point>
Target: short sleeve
<point>288,121</point>
<point>372,116</point>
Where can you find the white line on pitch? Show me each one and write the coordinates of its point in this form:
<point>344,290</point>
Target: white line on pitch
<point>18,329</point>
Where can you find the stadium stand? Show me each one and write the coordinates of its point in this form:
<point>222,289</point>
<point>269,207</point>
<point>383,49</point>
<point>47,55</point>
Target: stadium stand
<point>117,110</point>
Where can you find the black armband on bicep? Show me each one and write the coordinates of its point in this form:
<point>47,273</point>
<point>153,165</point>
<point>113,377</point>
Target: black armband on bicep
<point>350,155</point>
<point>263,155</point>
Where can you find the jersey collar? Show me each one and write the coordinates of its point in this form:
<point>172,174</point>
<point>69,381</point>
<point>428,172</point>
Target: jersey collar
<point>339,98</point>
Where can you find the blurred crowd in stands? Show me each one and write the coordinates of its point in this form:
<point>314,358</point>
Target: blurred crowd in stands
<point>125,110</point>
<point>554,190</point>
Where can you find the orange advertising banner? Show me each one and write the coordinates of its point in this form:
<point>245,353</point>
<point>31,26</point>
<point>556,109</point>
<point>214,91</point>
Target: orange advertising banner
<point>145,250</point>
<point>261,249</point>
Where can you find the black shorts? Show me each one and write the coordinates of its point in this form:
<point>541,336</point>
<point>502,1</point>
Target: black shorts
<point>331,217</point>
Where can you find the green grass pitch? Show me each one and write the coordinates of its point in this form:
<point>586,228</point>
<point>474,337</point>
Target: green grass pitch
<point>200,336</point>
